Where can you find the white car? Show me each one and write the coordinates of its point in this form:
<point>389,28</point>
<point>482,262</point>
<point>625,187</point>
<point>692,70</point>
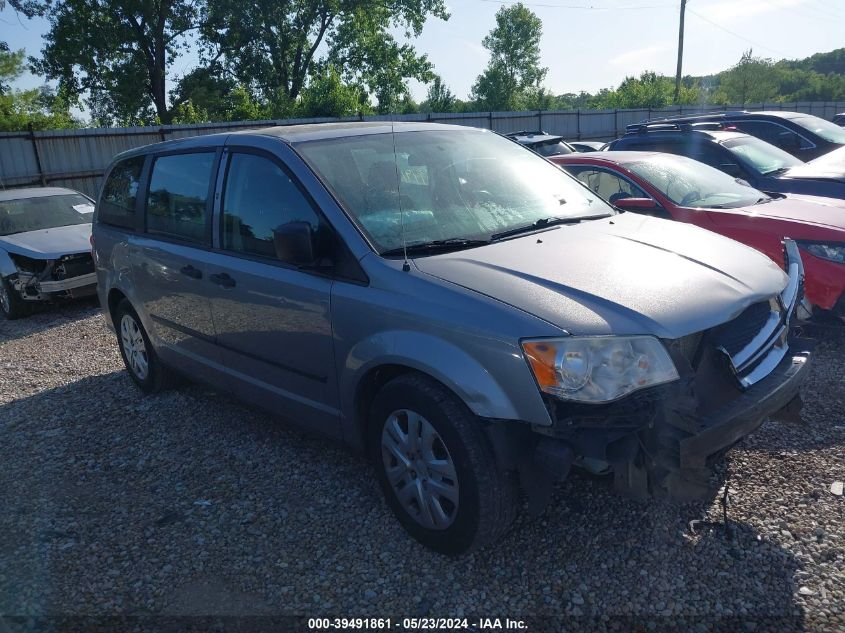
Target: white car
<point>45,247</point>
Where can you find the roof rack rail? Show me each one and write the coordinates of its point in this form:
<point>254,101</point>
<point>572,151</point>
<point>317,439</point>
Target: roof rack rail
<point>675,126</point>
<point>696,115</point>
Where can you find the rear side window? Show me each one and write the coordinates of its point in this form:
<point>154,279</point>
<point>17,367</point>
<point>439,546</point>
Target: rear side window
<point>259,198</point>
<point>177,203</point>
<point>777,135</point>
<point>117,205</point>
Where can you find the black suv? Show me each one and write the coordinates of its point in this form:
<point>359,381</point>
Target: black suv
<point>803,135</point>
<point>763,165</point>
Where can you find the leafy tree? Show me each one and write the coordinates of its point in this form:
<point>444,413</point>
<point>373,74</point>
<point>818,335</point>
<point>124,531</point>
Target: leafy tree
<point>751,80</point>
<point>327,95</point>
<point>41,107</point>
<point>649,90</point>
<point>273,46</point>
<point>118,51</point>
<point>514,70</point>
<point>438,98</point>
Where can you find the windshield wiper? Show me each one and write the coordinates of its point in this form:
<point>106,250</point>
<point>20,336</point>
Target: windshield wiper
<point>543,223</point>
<point>451,244</point>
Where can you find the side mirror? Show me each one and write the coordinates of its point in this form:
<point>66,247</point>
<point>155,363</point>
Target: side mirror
<point>731,169</point>
<point>636,204</point>
<point>294,243</point>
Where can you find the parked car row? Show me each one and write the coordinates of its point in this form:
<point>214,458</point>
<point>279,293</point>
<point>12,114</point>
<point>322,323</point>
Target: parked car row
<point>475,319</point>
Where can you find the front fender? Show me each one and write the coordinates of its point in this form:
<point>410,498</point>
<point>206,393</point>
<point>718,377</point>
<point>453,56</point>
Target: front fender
<point>444,361</point>
<point>7,266</point>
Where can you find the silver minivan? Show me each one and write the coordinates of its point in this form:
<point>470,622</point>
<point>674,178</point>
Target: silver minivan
<point>450,303</point>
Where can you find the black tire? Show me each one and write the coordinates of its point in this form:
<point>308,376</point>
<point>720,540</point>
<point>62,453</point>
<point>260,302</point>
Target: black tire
<point>488,498</point>
<point>158,376</point>
<point>12,306</point>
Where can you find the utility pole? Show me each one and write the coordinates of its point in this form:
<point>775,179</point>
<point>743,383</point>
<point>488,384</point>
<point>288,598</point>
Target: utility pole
<point>680,51</point>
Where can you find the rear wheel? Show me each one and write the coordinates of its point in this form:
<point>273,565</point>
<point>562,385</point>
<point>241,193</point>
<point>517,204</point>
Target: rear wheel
<point>143,364</point>
<point>436,467</point>
<point>12,306</point>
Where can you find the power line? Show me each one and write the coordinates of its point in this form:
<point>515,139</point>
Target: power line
<point>737,35</point>
<point>796,9</point>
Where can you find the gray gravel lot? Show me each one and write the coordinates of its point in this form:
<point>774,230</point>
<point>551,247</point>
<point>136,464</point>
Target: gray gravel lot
<point>191,503</point>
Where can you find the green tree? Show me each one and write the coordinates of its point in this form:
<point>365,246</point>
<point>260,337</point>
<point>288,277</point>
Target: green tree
<point>514,70</point>
<point>751,80</point>
<point>649,90</point>
<point>116,51</point>
<point>438,98</point>
<point>41,107</point>
<point>274,47</point>
<point>327,95</point>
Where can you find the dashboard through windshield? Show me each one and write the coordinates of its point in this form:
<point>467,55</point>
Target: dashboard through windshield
<point>438,185</point>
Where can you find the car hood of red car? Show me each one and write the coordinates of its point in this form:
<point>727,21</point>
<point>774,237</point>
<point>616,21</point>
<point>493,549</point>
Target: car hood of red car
<point>828,212</point>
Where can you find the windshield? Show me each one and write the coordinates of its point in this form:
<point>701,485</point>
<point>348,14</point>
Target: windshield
<point>44,212</point>
<point>827,130</point>
<point>688,183</point>
<point>554,148</point>
<point>762,156</point>
<point>449,185</point>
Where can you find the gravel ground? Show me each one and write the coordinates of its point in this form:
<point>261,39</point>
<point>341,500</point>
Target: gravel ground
<point>190,503</point>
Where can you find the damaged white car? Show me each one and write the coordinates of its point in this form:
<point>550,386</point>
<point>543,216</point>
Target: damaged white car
<point>45,249</point>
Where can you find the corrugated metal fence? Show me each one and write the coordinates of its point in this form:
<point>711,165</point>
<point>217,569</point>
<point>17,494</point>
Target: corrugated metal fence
<point>77,158</point>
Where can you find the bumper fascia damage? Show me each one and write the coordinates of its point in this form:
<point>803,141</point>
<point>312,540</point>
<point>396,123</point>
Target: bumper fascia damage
<point>68,277</point>
<point>664,441</point>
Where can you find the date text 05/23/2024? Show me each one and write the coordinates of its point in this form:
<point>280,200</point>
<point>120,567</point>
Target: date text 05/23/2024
<point>415,624</point>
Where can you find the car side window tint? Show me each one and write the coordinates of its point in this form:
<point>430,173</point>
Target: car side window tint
<point>117,204</point>
<point>777,135</point>
<point>709,154</point>
<point>177,203</point>
<point>609,186</point>
<point>259,198</point>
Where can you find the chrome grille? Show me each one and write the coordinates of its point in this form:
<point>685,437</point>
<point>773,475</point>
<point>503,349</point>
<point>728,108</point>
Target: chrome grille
<point>735,335</point>
<point>757,340</point>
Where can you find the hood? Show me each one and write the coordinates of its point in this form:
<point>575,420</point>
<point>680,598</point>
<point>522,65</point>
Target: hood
<point>49,243</point>
<point>830,166</point>
<point>628,274</point>
<point>828,212</point>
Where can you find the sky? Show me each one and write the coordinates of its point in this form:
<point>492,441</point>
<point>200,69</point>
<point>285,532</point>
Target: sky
<point>589,44</point>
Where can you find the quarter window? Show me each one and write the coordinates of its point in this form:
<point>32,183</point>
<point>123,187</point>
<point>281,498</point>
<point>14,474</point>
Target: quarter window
<point>259,198</point>
<point>117,205</point>
<point>177,204</point>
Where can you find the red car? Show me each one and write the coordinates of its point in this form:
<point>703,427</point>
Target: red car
<point>682,189</point>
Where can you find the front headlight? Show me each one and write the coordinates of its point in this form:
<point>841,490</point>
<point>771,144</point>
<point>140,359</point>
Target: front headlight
<point>598,368</point>
<point>830,252</point>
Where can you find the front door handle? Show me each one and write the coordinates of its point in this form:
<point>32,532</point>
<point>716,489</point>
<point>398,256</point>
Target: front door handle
<point>222,279</point>
<point>190,271</point>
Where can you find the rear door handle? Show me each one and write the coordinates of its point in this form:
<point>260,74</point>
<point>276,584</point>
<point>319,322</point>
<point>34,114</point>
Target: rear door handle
<point>190,271</point>
<point>222,279</point>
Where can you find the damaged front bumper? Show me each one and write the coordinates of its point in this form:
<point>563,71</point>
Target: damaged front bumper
<point>67,277</point>
<point>664,441</point>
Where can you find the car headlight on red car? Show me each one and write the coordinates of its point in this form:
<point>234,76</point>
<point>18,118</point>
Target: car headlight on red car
<point>598,369</point>
<point>830,251</point>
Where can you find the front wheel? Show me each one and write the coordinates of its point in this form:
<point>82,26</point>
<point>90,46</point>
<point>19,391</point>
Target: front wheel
<point>12,306</point>
<point>437,468</point>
